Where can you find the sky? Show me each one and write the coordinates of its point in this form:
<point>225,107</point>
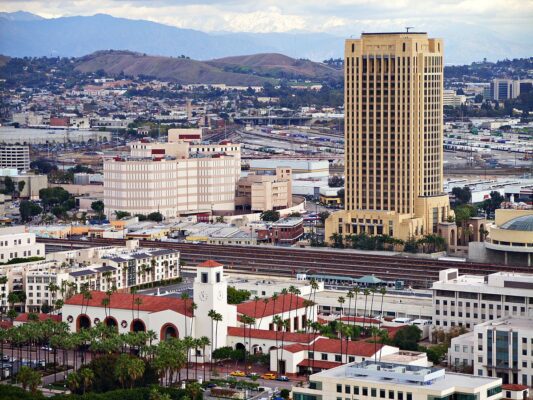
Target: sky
<point>340,17</point>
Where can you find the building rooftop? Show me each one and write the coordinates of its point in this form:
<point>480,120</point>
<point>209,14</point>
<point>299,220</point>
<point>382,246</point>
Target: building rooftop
<point>522,223</point>
<point>435,379</point>
<point>509,323</point>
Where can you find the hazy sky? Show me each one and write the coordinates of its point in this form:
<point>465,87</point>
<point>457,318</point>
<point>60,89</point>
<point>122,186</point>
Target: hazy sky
<point>339,17</point>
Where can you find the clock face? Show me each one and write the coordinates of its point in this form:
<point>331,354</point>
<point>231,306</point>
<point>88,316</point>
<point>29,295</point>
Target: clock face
<point>203,295</point>
<point>220,295</point>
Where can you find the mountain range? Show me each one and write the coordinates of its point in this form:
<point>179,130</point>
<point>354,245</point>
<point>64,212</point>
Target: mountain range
<point>25,34</point>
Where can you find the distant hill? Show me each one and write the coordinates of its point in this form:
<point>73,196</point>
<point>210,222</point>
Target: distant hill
<point>179,70</point>
<point>253,69</point>
<point>3,60</point>
<point>277,66</point>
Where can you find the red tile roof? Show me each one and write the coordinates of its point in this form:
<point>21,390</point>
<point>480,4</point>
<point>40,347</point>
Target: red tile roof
<point>283,304</point>
<point>42,317</point>
<point>359,348</point>
<point>514,387</point>
<point>295,348</point>
<point>292,337</point>
<point>210,264</point>
<point>125,301</point>
<point>361,320</point>
<point>392,330</point>
<point>319,364</point>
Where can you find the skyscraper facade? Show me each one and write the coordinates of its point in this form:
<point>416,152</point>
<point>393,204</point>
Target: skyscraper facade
<point>393,95</point>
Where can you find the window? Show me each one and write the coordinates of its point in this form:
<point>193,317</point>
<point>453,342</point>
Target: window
<point>409,396</point>
<point>382,393</point>
<point>339,388</point>
<point>356,390</point>
<point>373,392</point>
<point>347,389</point>
<point>493,391</point>
<point>311,355</point>
<point>218,277</point>
<point>324,356</point>
<point>204,277</point>
<point>365,391</point>
<point>338,358</point>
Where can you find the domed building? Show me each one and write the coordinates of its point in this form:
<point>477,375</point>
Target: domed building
<point>510,238</point>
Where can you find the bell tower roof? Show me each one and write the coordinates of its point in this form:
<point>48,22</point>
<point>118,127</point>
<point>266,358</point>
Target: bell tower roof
<point>210,264</point>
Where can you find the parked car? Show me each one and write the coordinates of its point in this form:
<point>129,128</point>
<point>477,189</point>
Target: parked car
<point>282,378</point>
<point>269,376</point>
<point>238,373</point>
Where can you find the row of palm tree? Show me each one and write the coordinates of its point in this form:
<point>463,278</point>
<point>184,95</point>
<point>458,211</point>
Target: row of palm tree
<point>29,339</point>
<point>429,243</point>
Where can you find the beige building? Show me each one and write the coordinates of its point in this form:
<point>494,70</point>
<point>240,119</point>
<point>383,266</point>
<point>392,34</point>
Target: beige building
<point>265,191</point>
<point>173,178</point>
<point>393,135</point>
<point>15,156</point>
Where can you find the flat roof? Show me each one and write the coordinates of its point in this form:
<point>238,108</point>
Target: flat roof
<point>443,380</point>
<point>393,33</point>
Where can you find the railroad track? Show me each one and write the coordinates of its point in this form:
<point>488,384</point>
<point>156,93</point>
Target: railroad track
<point>289,261</point>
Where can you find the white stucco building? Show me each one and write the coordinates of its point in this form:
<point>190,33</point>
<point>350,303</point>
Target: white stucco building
<point>16,242</point>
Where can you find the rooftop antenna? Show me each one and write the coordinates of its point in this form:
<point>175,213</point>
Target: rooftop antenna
<point>407,28</point>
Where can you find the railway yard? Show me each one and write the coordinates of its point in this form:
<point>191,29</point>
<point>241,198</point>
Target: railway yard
<point>278,261</point>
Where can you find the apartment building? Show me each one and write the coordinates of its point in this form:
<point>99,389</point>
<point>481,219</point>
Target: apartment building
<point>15,242</point>
<point>261,191</point>
<point>467,300</point>
<point>500,348</point>
<point>173,178</point>
<point>15,156</point>
<point>387,380</point>
<point>393,92</point>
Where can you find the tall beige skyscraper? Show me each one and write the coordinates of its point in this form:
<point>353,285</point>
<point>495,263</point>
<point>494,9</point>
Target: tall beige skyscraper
<point>393,136</point>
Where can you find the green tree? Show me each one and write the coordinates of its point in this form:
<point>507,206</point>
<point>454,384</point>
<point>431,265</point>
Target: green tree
<point>269,216</point>
<point>9,185</point>
<point>407,338</point>
<point>29,209</point>
<point>155,216</point>
<point>122,214</point>
<point>98,208</point>
<point>29,378</point>
<point>128,369</point>
<point>236,296</point>
<point>462,195</point>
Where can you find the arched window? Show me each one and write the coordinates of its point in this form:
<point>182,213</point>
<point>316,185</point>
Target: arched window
<point>138,325</point>
<point>83,322</point>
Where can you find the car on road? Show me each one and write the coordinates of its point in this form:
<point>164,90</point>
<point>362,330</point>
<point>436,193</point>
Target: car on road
<point>252,375</point>
<point>282,378</point>
<point>47,348</point>
<point>238,373</point>
<point>269,376</point>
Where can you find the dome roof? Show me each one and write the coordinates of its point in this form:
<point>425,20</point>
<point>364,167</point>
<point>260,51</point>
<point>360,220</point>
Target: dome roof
<point>523,223</point>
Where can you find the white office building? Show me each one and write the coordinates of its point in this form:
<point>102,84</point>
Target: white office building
<point>15,156</point>
<point>501,348</point>
<point>467,300</point>
<point>384,380</point>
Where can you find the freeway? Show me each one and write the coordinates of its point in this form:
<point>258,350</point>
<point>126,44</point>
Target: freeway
<point>280,261</point>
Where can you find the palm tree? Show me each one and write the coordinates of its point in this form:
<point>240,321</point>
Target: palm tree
<point>203,342</point>
<point>366,292</point>
<point>265,302</point>
<point>340,300</point>
<point>373,292</point>
<point>382,291</point>
<point>133,291</point>
<point>185,296</point>
<point>286,324</point>
<point>138,302</point>
<point>211,314</point>
<point>356,291</point>
<point>87,378</point>
<point>277,321</point>
<point>29,378</point>
<point>189,344</point>
<point>194,306</point>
